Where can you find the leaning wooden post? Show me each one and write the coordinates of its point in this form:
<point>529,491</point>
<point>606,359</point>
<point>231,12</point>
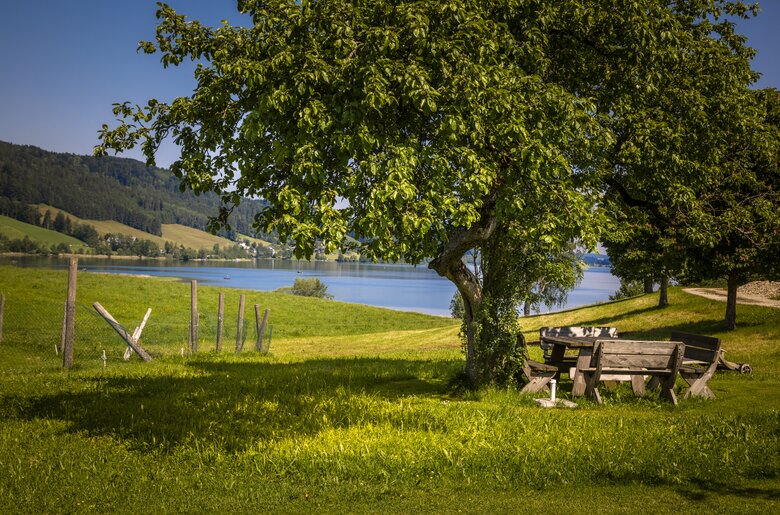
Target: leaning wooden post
<point>260,328</point>
<point>240,330</point>
<point>121,331</point>
<point>70,319</point>
<point>220,315</point>
<point>2,311</point>
<point>137,334</point>
<point>194,316</point>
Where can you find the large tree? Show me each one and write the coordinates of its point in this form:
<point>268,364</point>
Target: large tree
<point>429,129</point>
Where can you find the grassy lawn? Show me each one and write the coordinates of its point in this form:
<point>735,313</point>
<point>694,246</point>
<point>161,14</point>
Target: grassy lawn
<point>353,411</point>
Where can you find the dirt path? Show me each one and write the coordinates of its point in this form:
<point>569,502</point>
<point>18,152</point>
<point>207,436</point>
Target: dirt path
<point>742,298</point>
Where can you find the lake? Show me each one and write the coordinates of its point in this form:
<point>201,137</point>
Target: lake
<point>400,287</point>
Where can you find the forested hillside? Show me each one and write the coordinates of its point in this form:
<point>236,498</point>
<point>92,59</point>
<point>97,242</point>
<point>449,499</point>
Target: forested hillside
<point>108,188</point>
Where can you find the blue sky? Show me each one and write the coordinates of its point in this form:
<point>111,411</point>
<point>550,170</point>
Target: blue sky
<point>64,62</point>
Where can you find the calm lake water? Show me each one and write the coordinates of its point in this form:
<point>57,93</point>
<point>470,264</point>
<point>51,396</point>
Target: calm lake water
<point>400,287</point>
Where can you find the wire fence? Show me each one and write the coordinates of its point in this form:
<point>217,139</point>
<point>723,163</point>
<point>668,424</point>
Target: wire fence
<point>40,326</point>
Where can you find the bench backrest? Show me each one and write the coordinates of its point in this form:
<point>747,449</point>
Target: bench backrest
<point>636,355</point>
<point>579,331</point>
<point>699,347</point>
<point>573,331</point>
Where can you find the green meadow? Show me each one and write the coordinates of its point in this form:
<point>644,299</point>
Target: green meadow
<point>16,230</point>
<point>355,410</point>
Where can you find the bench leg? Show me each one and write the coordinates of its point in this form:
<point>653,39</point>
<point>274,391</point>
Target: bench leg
<point>654,383</point>
<point>638,385</point>
<point>537,383</point>
<point>667,390</point>
<point>698,384</point>
<point>583,361</point>
<point>591,388</point>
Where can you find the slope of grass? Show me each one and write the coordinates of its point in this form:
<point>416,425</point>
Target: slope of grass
<point>16,230</point>
<point>352,411</point>
<point>174,233</point>
<point>104,227</point>
<point>192,238</point>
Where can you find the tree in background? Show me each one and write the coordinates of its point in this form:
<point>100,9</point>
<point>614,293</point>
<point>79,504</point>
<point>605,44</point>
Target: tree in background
<point>430,129</point>
<point>642,255</point>
<point>741,207</point>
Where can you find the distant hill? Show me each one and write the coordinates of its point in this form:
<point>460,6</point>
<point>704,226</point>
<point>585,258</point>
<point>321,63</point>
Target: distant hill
<point>177,234</point>
<point>16,230</point>
<point>110,189</point>
<point>593,259</point>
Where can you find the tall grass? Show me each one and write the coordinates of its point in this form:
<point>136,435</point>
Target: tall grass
<point>353,411</point>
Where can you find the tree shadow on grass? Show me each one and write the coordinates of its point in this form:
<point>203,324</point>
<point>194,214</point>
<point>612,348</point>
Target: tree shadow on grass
<point>701,490</point>
<point>704,327</point>
<point>613,320</point>
<point>233,406</point>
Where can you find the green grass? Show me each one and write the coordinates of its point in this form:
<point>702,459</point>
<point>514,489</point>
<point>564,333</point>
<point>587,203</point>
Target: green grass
<point>16,230</point>
<point>353,411</point>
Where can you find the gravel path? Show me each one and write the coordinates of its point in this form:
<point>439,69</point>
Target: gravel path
<point>757,293</point>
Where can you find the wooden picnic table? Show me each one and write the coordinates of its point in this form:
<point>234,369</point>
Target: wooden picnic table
<point>584,346</point>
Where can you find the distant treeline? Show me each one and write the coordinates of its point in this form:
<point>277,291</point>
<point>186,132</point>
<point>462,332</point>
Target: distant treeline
<point>110,188</point>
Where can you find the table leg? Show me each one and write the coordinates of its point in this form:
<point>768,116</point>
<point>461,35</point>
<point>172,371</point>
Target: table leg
<point>583,362</point>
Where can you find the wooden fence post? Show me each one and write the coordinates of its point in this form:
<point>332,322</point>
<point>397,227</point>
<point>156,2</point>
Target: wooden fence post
<point>64,325</point>
<point>220,315</point>
<point>194,316</point>
<point>240,330</point>
<point>70,319</point>
<point>2,311</point>
<point>260,328</point>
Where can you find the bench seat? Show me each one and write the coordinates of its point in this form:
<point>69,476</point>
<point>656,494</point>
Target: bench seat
<point>538,376</point>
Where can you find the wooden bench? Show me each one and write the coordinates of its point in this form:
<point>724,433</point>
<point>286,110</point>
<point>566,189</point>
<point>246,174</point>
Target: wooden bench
<point>635,359</point>
<point>537,375</point>
<point>700,360</point>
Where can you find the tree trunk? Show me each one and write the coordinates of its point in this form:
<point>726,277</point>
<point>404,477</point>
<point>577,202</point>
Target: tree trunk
<point>471,292</point>
<point>527,308</point>
<point>731,301</point>
<point>648,285</point>
<point>663,292</point>
<point>449,263</point>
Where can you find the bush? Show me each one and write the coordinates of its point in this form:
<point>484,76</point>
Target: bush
<point>310,287</point>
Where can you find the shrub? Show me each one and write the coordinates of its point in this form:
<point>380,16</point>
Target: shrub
<point>310,287</point>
